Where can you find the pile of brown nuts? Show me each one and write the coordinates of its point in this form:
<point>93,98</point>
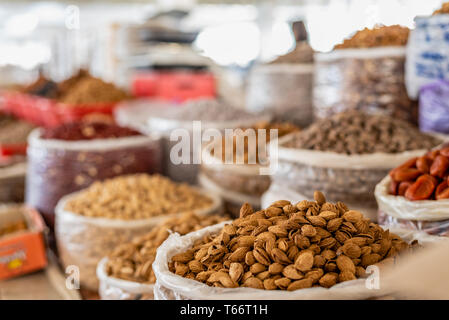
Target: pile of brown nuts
<point>379,36</point>
<point>353,132</point>
<point>132,261</point>
<point>139,196</point>
<point>288,247</point>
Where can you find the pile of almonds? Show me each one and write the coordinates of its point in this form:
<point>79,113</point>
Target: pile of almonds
<point>138,196</point>
<point>443,10</point>
<point>288,247</point>
<point>132,261</point>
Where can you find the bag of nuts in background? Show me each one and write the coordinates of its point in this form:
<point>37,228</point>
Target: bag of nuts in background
<point>309,250</point>
<point>241,181</point>
<point>212,114</point>
<point>365,73</point>
<point>284,87</point>
<point>71,157</point>
<point>126,274</point>
<point>415,195</point>
<point>346,155</point>
<point>92,222</point>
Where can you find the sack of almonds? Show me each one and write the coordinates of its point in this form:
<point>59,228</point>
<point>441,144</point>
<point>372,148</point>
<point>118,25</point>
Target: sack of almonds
<point>346,155</point>
<point>284,87</point>
<point>240,178</point>
<point>365,73</point>
<point>126,273</point>
<point>415,195</point>
<point>71,157</point>
<point>308,250</point>
<point>92,222</point>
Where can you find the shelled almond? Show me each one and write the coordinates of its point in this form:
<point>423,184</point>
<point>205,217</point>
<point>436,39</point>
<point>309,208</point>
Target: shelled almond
<point>289,247</point>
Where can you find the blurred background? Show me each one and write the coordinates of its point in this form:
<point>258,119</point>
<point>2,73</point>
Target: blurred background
<point>115,40</point>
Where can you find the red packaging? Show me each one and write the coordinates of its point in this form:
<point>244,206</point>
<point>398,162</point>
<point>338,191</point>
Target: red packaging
<point>47,112</point>
<point>22,251</point>
<point>175,86</point>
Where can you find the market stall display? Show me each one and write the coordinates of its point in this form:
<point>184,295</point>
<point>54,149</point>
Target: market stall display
<point>346,155</point>
<point>243,181</point>
<point>127,274</point>
<point>70,157</point>
<point>283,88</point>
<point>415,194</point>
<point>280,252</point>
<point>49,104</point>
<point>91,223</point>
<point>365,73</point>
<point>22,247</point>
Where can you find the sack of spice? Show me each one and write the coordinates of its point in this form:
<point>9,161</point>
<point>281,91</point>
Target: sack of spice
<point>346,155</point>
<point>427,51</point>
<point>283,88</point>
<point>72,156</point>
<point>308,250</point>
<point>415,195</point>
<point>126,273</point>
<point>365,73</point>
<point>94,221</point>
<point>240,177</point>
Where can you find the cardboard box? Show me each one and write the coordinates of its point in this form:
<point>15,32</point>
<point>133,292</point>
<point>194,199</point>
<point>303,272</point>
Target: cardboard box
<point>21,251</point>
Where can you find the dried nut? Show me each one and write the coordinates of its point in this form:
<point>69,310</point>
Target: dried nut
<point>319,197</point>
<point>352,250</point>
<point>334,224</point>
<point>269,284</point>
<point>314,275</point>
<point>275,268</point>
<point>346,276</point>
<point>261,256</point>
<point>273,212</point>
<point>253,282</point>
<point>328,215</point>
<point>353,216</point>
<point>345,263</point>
<point>291,272</point>
<point>280,203</point>
<point>328,280</point>
<point>370,259</point>
<point>239,254</point>
<point>257,268</point>
<point>308,230</point>
<point>280,256</point>
<point>236,271</point>
<point>283,283</point>
<point>195,266</point>
<point>304,261</point>
<point>300,284</point>
<point>246,210</point>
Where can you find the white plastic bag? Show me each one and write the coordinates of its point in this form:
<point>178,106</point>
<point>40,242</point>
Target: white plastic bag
<point>431,216</point>
<point>427,53</point>
<point>283,90</point>
<point>83,241</point>
<point>117,289</point>
<point>341,177</point>
<point>59,167</point>
<point>369,79</point>
<point>170,286</point>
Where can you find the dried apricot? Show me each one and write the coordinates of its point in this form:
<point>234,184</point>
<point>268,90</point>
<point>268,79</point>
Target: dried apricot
<point>422,189</point>
<point>442,191</point>
<point>403,186</point>
<point>439,166</point>
<point>423,164</point>
<point>411,163</point>
<point>406,174</point>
